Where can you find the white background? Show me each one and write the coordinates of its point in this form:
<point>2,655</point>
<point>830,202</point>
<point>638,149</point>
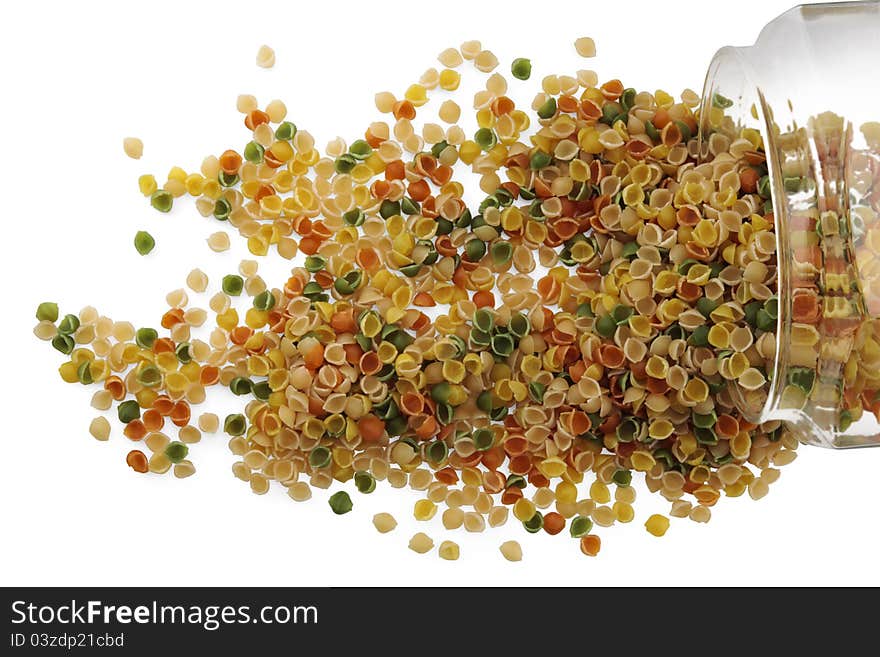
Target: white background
<point>78,77</point>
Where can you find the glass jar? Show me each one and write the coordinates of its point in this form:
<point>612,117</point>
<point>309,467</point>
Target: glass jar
<point>808,90</point>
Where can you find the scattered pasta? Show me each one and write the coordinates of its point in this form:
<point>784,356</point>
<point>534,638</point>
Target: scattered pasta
<point>414,344</point>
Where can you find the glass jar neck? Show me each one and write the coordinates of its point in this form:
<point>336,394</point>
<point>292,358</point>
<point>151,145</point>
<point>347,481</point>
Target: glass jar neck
<point>822,164</point>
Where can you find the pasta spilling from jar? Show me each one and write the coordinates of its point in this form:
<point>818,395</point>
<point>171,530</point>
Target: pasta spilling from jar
<point>517,321</point>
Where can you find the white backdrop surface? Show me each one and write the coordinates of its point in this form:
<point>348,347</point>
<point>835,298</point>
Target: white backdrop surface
<point>75,78</point>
